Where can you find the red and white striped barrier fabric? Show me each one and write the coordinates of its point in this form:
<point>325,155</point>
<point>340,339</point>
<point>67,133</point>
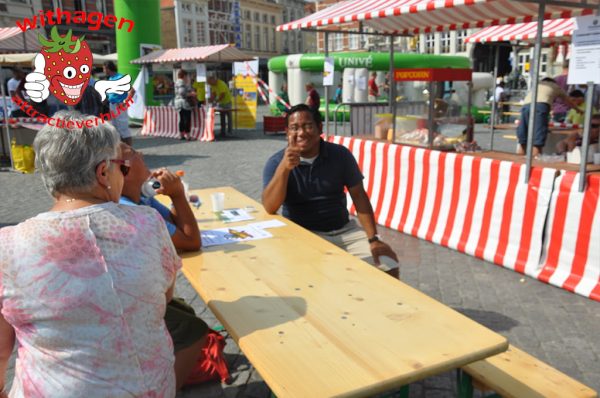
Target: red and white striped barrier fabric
<point>571,258</point>
<point>163,121</point>
<point>481,207</point>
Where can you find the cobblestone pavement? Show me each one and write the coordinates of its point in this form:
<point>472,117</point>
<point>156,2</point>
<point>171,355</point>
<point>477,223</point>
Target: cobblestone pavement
<point>558,327</point>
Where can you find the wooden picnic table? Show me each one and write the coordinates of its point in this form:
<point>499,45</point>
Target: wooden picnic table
<point>317,322</point>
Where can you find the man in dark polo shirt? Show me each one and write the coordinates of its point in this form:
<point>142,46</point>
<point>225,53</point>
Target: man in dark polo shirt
<point>308,178</point>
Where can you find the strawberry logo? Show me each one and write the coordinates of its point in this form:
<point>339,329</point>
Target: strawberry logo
<point>68,65</point>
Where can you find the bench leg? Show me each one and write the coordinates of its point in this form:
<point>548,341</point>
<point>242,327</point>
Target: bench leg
<point>464,383</point>
<point>465,386</point>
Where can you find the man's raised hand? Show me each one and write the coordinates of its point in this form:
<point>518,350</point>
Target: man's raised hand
<point>291,157</point>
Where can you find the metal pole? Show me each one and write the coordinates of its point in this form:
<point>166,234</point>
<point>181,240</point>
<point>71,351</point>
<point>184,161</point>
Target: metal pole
<point>431,112</point>
<point>470,126</point>
<point>494,105</point>
<point>534,87</point>
<point>326,87</point>
<point>392,88</point>
<point>589,95</point>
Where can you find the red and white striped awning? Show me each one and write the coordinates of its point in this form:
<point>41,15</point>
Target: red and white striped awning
<point>11,40</point>
<point>218,53</point>
<point>423,16</point>
<point>556,30</point>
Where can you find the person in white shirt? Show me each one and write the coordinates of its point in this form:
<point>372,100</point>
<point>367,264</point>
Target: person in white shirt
<point>12,86</point>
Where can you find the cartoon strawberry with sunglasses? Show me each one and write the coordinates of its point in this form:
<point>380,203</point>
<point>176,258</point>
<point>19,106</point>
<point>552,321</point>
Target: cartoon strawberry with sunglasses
<point>63,67</point>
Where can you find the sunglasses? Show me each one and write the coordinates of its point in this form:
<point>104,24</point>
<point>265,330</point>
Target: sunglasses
<point>124,165</point>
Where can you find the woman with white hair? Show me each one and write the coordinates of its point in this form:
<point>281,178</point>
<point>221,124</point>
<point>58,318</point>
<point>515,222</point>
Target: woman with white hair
<point>83,287</point>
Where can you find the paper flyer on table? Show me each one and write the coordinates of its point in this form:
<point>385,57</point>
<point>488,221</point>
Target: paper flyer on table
<point>267,224</point>
<point>234,215</point>
<point>225,236</point>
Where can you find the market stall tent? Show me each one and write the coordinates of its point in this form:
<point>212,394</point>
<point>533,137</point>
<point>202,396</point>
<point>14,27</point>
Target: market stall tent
<point>217,53</point>
<point>15,40</point>
<point>555,30</point>
<point>423,16</point>
<point>569,228</point>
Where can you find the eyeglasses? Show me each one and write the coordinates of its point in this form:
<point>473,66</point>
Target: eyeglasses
<point>308,127</point>
<point>124,165</point>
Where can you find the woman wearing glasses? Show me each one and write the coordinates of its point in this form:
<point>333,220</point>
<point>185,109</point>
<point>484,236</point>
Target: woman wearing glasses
<point>83,287</point>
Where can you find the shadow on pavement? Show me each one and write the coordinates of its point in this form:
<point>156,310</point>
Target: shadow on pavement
<point>490,319</point>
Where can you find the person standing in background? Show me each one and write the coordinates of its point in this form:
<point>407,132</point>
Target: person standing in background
<point>313,100</point>
<point>200,88</point>
<point>13,88</point>
<point>185,101</point>
<point>219,93</point>
<point>373,88</point>
<point>560,107</point>
<point>121,122</point>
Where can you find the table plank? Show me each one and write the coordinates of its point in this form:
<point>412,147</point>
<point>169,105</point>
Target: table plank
<point>316,321</point>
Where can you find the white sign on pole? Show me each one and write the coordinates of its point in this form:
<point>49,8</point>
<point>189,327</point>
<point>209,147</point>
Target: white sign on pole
<point>584,65</point>
<point>328,70</point>
<point>201,73</point>
<point>241,68</point>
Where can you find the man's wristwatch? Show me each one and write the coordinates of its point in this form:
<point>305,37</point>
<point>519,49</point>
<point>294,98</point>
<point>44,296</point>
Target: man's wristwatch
<point>374,238</point>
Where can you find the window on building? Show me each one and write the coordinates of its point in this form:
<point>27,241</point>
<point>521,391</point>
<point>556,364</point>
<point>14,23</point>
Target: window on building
<point>199,10</point>
<point>273,20</point>
<point>265,18</point>
<point>285,16</point>
<point>78,5</point>
<point>256,17</point>
<point>257,38</point>
<point>445,42</point>
<point>273,40</point>
<point>353,41</point>
<point>248,35</point>
<point>524,63</point>
<point>461,46</point>
<point>266,38</point>
<point>286,43</point>
<point>430,43</point>
<point>188,31</point>
<point>544,63</point>
<point>338,44</point>
<point>247,15</point>
<point>300,43</point>
<point>200,33</point>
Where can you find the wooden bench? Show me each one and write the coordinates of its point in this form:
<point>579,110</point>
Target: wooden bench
<point>515,373</point>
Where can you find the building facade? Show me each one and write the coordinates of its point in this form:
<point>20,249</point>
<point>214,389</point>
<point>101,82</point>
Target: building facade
<point>103,40</point>
<point>293,42</point>
<point>249,24</point>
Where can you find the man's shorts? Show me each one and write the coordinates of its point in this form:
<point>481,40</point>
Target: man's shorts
<point>183,325</point>
<point>352,238</point>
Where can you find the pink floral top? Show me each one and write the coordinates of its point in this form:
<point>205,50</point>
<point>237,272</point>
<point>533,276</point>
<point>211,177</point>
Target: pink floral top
<point>85,293</point>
